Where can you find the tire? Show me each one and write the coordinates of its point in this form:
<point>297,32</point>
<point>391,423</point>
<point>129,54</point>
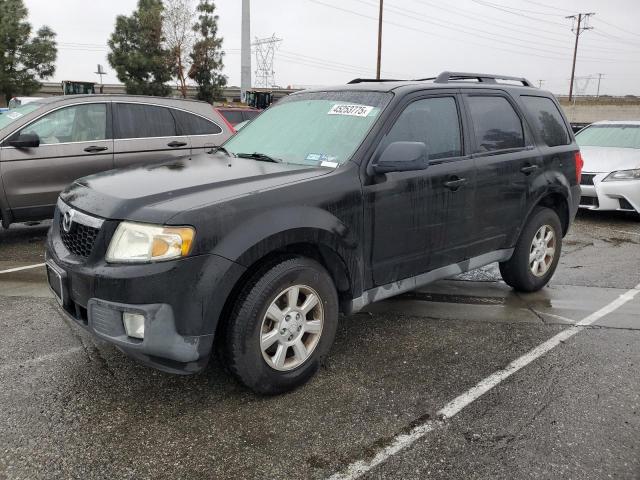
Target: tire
<point>518,272</point>
<point>264,312</point>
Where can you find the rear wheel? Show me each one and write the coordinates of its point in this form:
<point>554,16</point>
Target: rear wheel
<point>537,252</point>
<point>282,326</point>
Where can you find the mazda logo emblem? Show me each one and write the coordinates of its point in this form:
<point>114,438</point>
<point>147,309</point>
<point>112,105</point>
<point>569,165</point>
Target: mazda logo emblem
<point>67,220</point>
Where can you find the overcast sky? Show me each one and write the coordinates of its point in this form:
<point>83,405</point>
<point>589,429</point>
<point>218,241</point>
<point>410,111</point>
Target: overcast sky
<point>333,41</point>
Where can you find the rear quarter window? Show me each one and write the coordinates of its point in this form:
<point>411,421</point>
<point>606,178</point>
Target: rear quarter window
<point>547,120</point>
<point>189,124</point>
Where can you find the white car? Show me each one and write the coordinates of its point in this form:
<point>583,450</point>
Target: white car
<point>611,172</point>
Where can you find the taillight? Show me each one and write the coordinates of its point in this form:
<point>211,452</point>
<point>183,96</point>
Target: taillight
<point>579,165</point>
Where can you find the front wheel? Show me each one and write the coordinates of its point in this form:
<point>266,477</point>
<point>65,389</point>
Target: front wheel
<point>537,252</point>
<point>282,326</point>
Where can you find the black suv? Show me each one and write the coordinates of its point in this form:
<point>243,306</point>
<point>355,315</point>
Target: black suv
<point>330,200</point>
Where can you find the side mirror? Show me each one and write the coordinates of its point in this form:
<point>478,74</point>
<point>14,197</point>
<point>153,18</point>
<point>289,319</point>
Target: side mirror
<point>402,157</point>
<point>25,140</point>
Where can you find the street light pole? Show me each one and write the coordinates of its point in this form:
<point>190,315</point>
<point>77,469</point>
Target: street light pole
<point>379,41</point>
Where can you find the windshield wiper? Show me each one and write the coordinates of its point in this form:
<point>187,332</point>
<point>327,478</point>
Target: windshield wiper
<point>263,157</point>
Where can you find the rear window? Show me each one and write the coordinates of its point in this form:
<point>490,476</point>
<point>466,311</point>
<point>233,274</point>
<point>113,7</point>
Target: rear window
<point>232,116</point>
<point>547,120</point>
<point>189,124</point>
<point>134,120</point>
<point>496,124</point>
<point>610,135</point>
<point>250,114</point>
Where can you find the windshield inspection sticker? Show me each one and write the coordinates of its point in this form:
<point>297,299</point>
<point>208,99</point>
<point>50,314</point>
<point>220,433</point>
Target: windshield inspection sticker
<point>329,164</point>
<point>351,110</point>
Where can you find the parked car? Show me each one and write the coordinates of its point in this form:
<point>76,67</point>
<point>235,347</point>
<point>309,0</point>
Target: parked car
<point>236,115</point>
<point>611,178</point>
<point>17,101</point>
<point>45,145</point>
<point>330,200</point>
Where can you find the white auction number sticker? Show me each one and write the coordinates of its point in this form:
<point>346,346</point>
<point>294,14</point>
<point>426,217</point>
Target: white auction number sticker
<point>351,110</point>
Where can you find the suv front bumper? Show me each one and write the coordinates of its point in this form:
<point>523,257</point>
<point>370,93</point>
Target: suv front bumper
<point>181,301</point>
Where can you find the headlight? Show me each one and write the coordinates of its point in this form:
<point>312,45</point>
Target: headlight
<point>623,175</point>
<point>139,243</point>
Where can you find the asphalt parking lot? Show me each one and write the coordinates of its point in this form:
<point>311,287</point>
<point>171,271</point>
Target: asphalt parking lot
<point>73,407</point>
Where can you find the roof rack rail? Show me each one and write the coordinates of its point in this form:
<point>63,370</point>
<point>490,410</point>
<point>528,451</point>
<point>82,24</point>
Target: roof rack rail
<point>446,77</point>
<point>367,80</point>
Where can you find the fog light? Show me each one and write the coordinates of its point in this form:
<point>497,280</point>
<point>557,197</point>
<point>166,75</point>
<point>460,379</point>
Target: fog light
<point>133,324</point>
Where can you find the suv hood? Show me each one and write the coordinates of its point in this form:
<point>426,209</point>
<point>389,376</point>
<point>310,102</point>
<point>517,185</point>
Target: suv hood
<point>155,193</point>
<point>609,159</point>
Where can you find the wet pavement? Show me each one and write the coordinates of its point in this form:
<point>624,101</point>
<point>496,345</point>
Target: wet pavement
<point>75,407</point>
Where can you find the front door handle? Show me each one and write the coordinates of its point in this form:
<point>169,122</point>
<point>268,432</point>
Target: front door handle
<point>95,148</point>
<point>176,144</point>
<point>528,169</point>
<point>454,183</point>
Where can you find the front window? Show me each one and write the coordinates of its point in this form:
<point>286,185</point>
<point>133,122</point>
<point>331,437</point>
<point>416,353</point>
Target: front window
<point>611,135</point>
<point>323,128</point>
<point>79,123</point>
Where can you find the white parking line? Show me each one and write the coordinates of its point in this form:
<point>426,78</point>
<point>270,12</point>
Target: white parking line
<point>403,441</point>
<point>28,267</point>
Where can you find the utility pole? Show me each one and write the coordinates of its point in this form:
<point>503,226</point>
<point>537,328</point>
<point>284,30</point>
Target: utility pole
<point>540,82</point>
<point>600,75</point>
<point>582,20</point>
<point>379,41</point>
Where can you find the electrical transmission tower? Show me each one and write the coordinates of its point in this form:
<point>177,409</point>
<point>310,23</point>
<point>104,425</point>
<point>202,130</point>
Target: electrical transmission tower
<point>265,49</point>
<point>580,24</point>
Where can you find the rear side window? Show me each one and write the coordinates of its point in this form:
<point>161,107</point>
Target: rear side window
<point>189,124</point>
<point>547,120</point>
<point>496,124</point>
<point>134,120</point>
<point>433,121</point>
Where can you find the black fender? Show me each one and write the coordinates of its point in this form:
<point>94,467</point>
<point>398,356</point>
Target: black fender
<point>276,230</point>
<point>553,190</point>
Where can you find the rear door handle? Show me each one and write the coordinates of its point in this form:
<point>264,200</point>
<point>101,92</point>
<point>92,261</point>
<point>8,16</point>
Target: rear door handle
<point>176,144</point>
<point>455,183</point>
<point>95,148</point>
<point>529,169</point>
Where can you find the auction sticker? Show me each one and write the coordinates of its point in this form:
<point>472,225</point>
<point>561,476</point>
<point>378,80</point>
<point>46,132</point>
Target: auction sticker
<point>351,110</point>
<point>14,115</point>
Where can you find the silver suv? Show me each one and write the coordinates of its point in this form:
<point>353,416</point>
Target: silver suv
<point>47,144</point>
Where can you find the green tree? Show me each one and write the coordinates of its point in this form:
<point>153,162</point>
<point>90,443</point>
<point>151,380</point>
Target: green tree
<point>23,59</point>
<point>207,55</point>
<point>137,53</point>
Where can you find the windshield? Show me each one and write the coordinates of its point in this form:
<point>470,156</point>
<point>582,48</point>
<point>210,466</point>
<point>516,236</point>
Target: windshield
<point>621,136</point>
<point>15,113</point>
<point>323,128</point>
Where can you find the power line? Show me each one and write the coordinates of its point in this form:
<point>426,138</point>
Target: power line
<point>509,10</point>
<point>618,28</point>
<point>527,43</point>
<point>483,33</point>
